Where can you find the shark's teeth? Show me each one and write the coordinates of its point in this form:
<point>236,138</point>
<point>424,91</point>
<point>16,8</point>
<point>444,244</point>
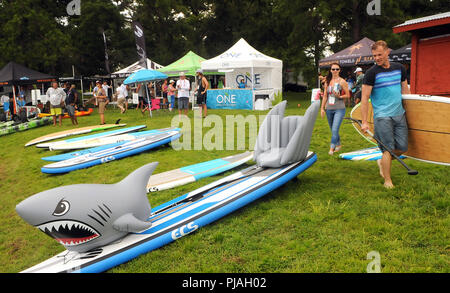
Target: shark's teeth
<point>69,233</point>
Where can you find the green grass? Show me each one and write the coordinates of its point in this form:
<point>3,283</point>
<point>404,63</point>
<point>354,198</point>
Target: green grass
<point>328,220</point>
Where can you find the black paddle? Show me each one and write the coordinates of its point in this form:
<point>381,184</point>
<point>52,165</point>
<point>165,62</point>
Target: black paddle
<point>410,171</point>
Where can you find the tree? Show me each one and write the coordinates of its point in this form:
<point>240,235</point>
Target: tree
<point>30,35</point>
<point>86,37</point>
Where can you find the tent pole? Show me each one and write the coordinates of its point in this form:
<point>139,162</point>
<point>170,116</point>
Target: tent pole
<point>148,100</point>
<point>113,86</point>
<point>154,88</point>
<point>15,103</point>
<point>253,86</point>
<point>82,91</point>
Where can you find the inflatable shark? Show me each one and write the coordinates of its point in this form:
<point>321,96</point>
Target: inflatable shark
<point>285,140</point>
<point>86,216</point>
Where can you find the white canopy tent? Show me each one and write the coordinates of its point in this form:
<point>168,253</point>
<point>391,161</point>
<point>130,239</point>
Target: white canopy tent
<point>127,71</point>
<point>122,74</point>
<point>261,73</point>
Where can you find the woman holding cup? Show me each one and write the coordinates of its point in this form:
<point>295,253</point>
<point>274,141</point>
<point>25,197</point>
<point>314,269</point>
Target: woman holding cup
<point>333,104</point>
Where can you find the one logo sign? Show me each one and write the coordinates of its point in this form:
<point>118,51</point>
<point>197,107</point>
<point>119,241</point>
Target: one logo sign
<point>226,99</point>
<point>230,99</point>
<point>184,230</point>
<point>248,79</point>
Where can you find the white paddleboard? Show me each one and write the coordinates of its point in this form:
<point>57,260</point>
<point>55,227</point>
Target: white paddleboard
<point>57,144</point>
<point>185,175</point>
<point>101,141</point>
<point>72,132</point>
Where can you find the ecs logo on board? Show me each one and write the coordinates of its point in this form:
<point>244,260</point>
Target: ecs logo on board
<point>184,230</point>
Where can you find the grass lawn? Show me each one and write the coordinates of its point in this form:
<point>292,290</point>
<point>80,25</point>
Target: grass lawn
<point>326,221</point>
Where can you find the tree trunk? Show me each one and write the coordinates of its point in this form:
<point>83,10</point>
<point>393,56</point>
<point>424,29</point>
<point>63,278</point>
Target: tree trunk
<point>356,21</point>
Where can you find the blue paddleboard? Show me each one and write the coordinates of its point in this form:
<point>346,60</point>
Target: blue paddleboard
<point>180,217</point>
<point>78,153</point>
<point>112,153</point>
<point>92,136</point>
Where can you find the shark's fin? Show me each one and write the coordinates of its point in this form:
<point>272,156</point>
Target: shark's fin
<point>131,224</point>
<point>139,178</point>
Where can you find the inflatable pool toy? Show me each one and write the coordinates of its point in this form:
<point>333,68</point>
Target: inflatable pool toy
<point>80,225</point>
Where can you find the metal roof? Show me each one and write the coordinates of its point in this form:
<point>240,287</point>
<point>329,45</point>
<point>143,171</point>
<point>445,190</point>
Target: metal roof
<point>425,19</point>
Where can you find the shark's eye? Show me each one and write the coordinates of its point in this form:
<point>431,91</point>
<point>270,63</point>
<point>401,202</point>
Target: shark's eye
<point>62,208</point>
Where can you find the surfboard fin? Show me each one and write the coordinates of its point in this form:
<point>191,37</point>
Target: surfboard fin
<point>131,224</point>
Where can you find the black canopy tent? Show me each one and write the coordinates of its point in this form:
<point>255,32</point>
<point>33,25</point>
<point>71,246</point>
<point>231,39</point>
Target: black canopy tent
<point>402,55</point>
<point>14,74</point>
<point>357,54</point>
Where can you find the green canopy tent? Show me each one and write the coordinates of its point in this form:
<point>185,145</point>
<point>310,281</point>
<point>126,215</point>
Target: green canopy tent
<point>189,64</point>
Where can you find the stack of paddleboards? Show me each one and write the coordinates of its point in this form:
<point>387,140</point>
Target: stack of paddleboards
<point>72,132</point>
<point>13,128</point>
<point>105,147</point>
<point>87,141</point>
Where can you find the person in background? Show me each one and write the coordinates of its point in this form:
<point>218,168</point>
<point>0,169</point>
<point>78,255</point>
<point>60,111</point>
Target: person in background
<point>21,102</point>
<point>171,91</point>
<point>164,89</point>
<point>203,86</point>
<point>140,90</point>
<point>23,94</point>
<point>241,84</point>
<point>350,82</point>
<point>11,105</point>
<point>40,106</point>
<point>122,96</point>
<point>358,85</point>
<point>106,87</point>
<point>66,87</point>
<point>5,103</point>
<point>384,83</point>
<point>93,100</point>
<point>56,96</point>
<point>71,102</point>
<point>220,84</point>
<point>333,105</point>
<point>102,100</point>
<point>183,87</point>
<point>151,96</point>
<point>322,81</point>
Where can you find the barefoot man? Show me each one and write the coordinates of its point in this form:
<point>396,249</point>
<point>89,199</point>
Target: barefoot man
<point>384,83</point>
